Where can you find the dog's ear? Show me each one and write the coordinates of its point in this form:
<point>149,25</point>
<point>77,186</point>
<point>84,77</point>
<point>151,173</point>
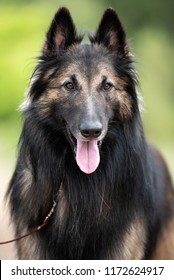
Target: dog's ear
<point>111,33</point>
<point>61,34</point>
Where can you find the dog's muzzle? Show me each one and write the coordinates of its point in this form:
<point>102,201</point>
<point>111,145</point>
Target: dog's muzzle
<point>87,146</point>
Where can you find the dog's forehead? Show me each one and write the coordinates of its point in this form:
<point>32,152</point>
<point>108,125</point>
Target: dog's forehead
<point>89,61</point>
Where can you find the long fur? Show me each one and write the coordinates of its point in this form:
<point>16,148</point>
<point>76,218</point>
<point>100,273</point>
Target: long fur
<point>95,213</point>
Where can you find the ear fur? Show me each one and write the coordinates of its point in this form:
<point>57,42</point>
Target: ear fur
<point>61,34</point>
<point>110,33</point>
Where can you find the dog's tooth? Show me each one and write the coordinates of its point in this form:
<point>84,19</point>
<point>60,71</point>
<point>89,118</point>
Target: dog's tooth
<point>99,143</point>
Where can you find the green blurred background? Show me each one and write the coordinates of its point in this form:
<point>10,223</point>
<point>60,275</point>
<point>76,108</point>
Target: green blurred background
<point>150,29</point>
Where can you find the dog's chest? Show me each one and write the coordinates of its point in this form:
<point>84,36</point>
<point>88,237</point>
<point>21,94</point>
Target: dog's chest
<point>99,239</point>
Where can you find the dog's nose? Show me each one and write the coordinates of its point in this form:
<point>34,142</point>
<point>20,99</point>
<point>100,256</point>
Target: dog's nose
<point>91,131</point>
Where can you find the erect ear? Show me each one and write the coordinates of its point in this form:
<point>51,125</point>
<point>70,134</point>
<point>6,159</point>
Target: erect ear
<point>111,33</point>
<point>61,34</point>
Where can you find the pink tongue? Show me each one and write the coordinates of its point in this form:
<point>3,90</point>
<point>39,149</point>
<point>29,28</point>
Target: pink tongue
<point>87,155</point>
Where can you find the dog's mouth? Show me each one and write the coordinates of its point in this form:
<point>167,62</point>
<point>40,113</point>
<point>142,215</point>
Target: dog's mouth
<point>87,152</point>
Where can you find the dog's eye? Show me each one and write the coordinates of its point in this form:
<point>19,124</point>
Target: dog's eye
<point>106,86</point>
<point>69,86</point>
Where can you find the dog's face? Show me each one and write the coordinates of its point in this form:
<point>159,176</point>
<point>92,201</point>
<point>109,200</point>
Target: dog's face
<point>86,87</point>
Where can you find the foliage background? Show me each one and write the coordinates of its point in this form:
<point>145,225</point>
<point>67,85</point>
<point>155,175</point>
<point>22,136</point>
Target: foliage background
<point>149,26</point>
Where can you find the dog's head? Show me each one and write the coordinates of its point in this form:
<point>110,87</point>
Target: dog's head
<point>88,87</point>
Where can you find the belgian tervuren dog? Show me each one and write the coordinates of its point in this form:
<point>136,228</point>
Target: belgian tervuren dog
<point>83,147</point>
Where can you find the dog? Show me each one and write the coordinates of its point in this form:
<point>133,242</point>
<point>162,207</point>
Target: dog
<point>84,164</point>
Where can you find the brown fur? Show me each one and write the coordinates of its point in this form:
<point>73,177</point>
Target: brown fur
<point>133,242</point>
<point>87,88</point>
